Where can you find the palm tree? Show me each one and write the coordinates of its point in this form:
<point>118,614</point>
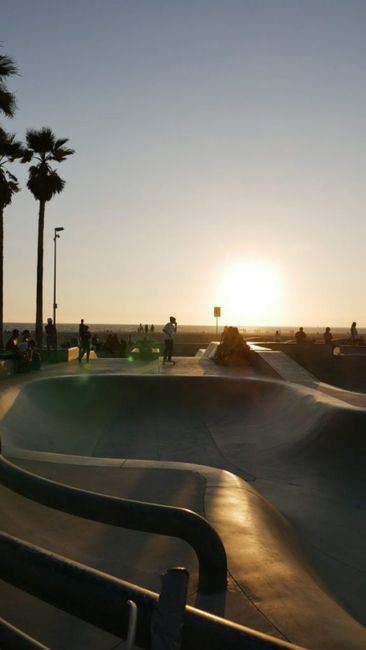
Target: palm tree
<point>44,183</point>
<point>7,99</point>
<point>10,150</point>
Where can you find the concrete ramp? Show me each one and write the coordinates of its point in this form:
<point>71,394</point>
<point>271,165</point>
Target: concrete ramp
<point>286,491</point>
<point>285,367</point>
<point>210,351</point>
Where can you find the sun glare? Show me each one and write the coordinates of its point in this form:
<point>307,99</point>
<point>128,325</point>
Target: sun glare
<point>249,294</point>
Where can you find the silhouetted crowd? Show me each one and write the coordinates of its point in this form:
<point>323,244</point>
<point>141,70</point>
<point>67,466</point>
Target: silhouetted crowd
<point>232,350</point>
<point>22,348</point>
<point>355,337</point>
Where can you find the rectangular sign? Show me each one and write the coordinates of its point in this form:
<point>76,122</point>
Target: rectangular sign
<point>217,312</point>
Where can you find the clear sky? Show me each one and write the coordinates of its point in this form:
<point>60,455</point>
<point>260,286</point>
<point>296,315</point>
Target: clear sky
<point>220,159</point>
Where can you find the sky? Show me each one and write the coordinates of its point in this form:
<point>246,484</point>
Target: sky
<point>219,160</point>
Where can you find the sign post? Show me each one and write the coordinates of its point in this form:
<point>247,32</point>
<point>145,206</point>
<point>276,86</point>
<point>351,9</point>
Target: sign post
<point>217,314</point>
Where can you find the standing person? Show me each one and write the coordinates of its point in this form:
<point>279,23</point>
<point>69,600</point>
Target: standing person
<point>12,343</point>
<point>24,352</point>
<point>51,337</point>
<point>300,336</point>
<point>328,336</point>
<point>355,339</point>
<point>81,328</point>
<point>84,344</point>
<point>24,345</point>
<point>169,330</point>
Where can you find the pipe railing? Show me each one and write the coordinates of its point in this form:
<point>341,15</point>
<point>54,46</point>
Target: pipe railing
<point>101,599</point>
<point>13,639</point>
<point>127,513</point>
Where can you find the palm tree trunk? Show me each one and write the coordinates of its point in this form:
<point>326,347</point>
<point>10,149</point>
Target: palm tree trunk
<point>39,294</point>
<point>1,277</point>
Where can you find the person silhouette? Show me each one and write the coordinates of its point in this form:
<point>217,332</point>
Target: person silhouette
<point>51,336</point>
<point>300,336</point>
<point>328,336</point>
<point>12,343</point>
<point>169,330</point>
<point>84,343</point>
<point>355,339</point>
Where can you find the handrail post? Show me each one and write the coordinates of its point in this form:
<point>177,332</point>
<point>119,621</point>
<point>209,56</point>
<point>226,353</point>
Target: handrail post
<point>168,617</point>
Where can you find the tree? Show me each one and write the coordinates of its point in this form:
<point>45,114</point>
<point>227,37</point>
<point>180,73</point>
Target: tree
<point>7,99</point>
<point>44,183</point>
<point>10,150</point>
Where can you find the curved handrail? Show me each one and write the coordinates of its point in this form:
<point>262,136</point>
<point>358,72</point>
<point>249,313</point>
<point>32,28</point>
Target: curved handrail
<point>127,513</point>
<point>101,599</point>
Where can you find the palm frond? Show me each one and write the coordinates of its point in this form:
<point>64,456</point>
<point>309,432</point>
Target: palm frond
<point>7,66</point>
<point>8,187</point>
<point>7,101</point>
<point>61,154</point>
<point>27,156</point>
<point>33,171</point>
<point>4,136</point>
<point>10,149</point>
<point>44,182</point>
<point>60,142</point>
<point>41,141</point>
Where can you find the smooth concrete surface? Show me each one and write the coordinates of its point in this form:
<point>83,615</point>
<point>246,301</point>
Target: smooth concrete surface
<point>6,368</point>
<point>286,368</point>
<point>346,370</point>
<point>290,509</point>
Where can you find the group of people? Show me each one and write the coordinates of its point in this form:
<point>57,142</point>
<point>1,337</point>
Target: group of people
<point>301,337</point>
<point>355,338</point>
<point>145,328</point>
<point>113,345</point>
<point>232,350</point>
<point>22,349</point>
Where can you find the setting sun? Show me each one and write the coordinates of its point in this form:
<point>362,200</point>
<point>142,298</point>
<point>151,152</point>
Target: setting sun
<point>250,292</point>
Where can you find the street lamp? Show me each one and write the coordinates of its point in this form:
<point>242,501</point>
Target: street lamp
<point>57,230</point>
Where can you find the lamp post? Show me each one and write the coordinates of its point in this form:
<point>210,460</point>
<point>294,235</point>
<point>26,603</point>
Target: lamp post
<point>57,230</point>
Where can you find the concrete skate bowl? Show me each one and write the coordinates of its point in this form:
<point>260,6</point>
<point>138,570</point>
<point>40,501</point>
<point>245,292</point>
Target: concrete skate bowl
<point>304,452</point>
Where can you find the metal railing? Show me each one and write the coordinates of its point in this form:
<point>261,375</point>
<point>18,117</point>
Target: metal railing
<point>126,513</point>
<point>102,600</point>
<point>11,638</point>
